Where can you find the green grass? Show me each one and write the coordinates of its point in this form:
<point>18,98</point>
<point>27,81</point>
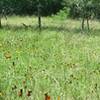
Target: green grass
<point>61,60</point>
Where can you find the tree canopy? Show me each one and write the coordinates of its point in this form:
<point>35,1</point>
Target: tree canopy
<point>23,7</point>
<point>49,7</point>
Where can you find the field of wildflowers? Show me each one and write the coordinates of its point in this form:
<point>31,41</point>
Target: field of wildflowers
<point>60,63</point>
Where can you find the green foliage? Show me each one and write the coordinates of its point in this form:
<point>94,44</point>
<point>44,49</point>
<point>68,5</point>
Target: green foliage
<point>62,14</point>
<point>30,6</point>
<point>49,7</point>
<point>79,8</point>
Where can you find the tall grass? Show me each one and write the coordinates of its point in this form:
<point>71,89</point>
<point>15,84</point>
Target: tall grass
<point>62,60</point>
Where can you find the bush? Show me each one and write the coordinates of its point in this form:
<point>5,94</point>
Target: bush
<point>62,14</point>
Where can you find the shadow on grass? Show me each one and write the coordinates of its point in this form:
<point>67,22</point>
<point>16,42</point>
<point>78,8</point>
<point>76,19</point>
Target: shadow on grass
<point>35,27</point>
<point>91,32</point>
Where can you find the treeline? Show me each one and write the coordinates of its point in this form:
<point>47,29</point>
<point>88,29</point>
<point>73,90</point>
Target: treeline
<point>80,8</point>
<point>49,7</point>
<point>84,9</point>
<point>29,7</point>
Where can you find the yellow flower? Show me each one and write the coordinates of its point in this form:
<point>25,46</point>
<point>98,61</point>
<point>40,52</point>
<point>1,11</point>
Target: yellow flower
<point>1,94</point>
<point>58,97</point>
<point>7,55</point>
<point>0,45</point>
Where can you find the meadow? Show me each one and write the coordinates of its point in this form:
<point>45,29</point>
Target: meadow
<point>61,60</point>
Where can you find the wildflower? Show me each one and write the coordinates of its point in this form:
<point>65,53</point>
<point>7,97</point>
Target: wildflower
<point>7,55</point>
<point>58,97</point>
<point>47,97</point>
<point>29,93</point>
<point>1,94</point>
<point>20,93</point>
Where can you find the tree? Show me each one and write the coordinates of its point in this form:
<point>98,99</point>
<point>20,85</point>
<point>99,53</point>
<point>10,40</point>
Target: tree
<point>1,6</point>
<point>3,10</point>
<point>96,4</point>
<point>86,9</point>
<point>39,14</point>
<point>81,9</point>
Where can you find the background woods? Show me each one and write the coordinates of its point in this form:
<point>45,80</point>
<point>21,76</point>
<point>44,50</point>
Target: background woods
<point>49,7</point>
<point>60,60</point>
<point>29,7</point>
<point>84,9</point>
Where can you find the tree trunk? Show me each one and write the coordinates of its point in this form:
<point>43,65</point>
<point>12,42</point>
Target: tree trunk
<point>39,22</point>
<point>88,26</point>
<point>39,16</point>
<point>0,22</point>
<point>83,23</point>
